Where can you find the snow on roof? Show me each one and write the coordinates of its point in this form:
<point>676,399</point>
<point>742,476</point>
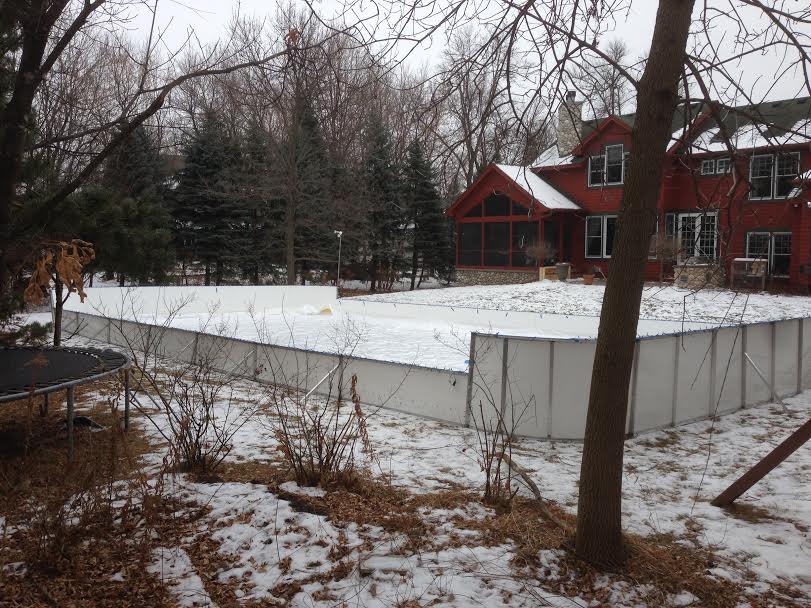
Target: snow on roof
<point>539,189</point>
<point>753,135</point>
<point>806,176</point>
<point>551,158</point>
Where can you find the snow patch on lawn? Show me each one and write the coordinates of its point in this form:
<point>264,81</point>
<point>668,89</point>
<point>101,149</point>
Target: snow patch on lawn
<point>175,568</point>
<point>662,303</point>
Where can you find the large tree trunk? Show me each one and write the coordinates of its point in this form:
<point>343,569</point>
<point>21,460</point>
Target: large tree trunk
<point>414,264</point>
<point>59,304</point>
<point>599,509</point>
<point>290,242</point>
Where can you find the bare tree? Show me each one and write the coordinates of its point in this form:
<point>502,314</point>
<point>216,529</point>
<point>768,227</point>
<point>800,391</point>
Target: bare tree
<point>697,55</point>
<point>606,91</point>
<point>47,32</point>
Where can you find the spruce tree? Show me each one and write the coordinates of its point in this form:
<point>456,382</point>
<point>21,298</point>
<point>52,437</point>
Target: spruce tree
<point>301,172</point>
<point>139,217</point>
<point>385,213</point>
<point>427,225</point>
<point>209,214</point>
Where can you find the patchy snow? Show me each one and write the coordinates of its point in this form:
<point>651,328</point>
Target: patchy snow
<point>175,568</point>
<point>538,188</point>
<point>670,478</point>
<point>668,303</point>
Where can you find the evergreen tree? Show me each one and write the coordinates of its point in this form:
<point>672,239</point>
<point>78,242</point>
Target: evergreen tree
<point>255,194</point>
<point>386,218</point>
<point>209,214</point>
<point>301,172</point>
<point>427,225</point>
<point>139,219</point>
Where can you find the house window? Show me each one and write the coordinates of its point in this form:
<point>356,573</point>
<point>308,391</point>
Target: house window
<point>697,235</point>
<point>524,235</point>
<point>497,205</point>
<point>609,168</point>
<point>787,169</point>
<point>497,244</point>
<point>723,165</point>
<point>470,244</point>
<point>760,176</point>
<point>771,176</point>
<point>600,232</point>
<point>708,167</point>
<point>774,247</point>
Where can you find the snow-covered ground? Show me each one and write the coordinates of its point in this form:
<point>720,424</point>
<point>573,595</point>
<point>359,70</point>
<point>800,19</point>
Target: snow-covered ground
<point>670,477</point>
<point>573,298</point>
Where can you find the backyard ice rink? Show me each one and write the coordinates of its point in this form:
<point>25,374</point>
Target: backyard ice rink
<point>431,328</point>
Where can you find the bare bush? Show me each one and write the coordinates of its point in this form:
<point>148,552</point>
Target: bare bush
<point>194,390</point>
<point>319,438</point>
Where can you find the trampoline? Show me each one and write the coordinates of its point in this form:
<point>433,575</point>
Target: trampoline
<point>31,371</point>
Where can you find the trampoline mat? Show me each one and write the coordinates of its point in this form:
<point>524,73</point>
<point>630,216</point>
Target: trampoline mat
<point>23,368</point>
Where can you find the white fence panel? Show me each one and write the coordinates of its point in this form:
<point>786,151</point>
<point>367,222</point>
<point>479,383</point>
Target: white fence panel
<point>655,383</point>
<point>728,369</point>
<point>786,347</point>
<point>487,372</point>
<point>425,392</point>
<point>694,376</point>
<point>759,349</point>
<point>526,399</point>
<point>571,381</point>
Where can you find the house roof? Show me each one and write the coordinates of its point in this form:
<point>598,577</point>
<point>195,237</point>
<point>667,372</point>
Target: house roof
<point>777,123</point>
<point>772,123</point>
<point>539,189</point>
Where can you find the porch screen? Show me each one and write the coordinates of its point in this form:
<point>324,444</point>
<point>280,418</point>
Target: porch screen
<point>497,244</point>
<point>525,234</point>
<point>470,244</point>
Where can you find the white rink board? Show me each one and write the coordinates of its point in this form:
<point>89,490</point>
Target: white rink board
<point>538,385</point>
<point>146,303</point>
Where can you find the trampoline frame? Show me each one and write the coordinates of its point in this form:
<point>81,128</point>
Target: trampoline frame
<point>70,386</point>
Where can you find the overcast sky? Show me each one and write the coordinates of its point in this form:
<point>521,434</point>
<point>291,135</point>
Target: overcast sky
<point>209,18</point>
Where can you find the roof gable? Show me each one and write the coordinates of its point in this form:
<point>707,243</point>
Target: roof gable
<point>520,182</point>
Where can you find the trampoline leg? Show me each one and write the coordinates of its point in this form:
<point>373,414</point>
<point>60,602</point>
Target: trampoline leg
<point>126,400</point>
<point>70,422</point>
<point>43,407</point>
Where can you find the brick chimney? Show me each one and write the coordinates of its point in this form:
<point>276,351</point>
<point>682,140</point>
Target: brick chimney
<point>570,124</point>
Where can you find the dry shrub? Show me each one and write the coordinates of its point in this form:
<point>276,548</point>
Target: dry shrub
<point>74,523</point>
<point>201,412</point>
<point>319,440</point>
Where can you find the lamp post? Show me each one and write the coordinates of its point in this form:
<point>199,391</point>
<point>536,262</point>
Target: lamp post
<point>339,234</point>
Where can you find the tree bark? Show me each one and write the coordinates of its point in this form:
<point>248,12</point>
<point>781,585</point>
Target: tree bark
<point>59,304</point>
<point>599,510</point>
<point>290,241</point>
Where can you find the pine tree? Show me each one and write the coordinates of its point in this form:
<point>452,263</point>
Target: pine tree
<point>301,185</point>
<point>139,218</point>
<point>386,218</point>
<point>427,225</point>
<point>254,191</point>
<point>209,214</point>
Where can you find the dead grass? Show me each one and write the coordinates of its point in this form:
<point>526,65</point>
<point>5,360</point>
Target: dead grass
<point>657,567</point>
<point>60,514</point>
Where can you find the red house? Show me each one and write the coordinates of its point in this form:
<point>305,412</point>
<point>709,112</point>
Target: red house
<point>752,221</point>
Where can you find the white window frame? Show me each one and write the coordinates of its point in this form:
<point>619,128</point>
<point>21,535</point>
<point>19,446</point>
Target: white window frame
<point>604,157</point>
<point>696,241</point>
<point>773,189</point>
<point>603,231</point>
<point>776,176</point>
<point>724,159</point>
<point>708,166</point>
<point>769,259</point>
